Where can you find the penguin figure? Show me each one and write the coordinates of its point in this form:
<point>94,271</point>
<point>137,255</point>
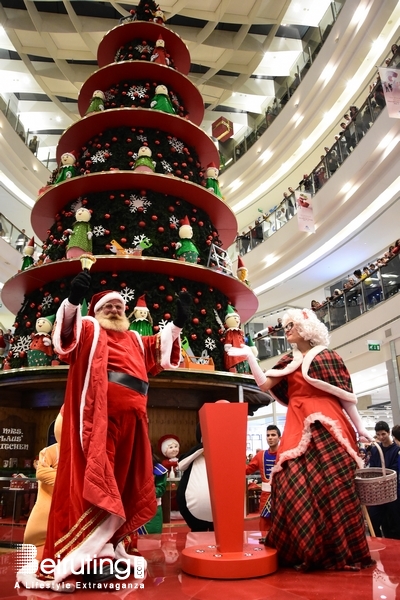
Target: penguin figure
<point>193,494</point>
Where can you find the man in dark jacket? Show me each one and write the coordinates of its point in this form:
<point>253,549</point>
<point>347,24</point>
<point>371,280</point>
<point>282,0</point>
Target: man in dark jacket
<point>385,518</point>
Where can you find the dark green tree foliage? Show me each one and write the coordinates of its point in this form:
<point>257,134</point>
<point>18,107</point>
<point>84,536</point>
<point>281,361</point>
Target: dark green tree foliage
<point>146,9</point>
<point>202,331</point>
<point>128,215</point>
<point>139,49</point>
<point>139,94</point>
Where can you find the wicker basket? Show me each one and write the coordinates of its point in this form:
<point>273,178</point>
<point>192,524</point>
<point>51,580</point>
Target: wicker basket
<point>376,485</point>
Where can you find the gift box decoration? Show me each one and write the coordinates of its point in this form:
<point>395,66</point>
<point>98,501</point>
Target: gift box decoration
<point>222,129</point>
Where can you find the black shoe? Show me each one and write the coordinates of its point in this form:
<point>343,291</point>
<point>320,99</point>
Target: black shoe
<point>106,574</point>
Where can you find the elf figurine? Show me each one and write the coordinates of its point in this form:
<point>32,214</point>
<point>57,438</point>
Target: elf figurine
<point>144,162</point>
<point>234,336</point>
<point>80,241</point>
<point>212,180</point>
<point>96,103</point>
<point>162,101</point>
<point>185,249</point>
<point>159,17</point>
<point>242,272</point>
<point>159,54</point>
<point>28,260</point>
<point>40,353</point>
<point>169,448</point>
<point>142,323</point>
<point>66,169</point>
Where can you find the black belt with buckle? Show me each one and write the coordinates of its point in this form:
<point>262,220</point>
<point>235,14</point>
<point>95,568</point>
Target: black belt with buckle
<point>133,383</point>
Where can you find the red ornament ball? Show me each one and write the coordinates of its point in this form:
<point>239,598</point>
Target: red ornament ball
<point>160,229</point>
<point>156,306</point>
<point>161,288</point>
<point>167,316</point>
<point>193,336</point>
<point>195,321</point>
<point>208,331</point>
<point>169,298</point>
<point>142,224</point>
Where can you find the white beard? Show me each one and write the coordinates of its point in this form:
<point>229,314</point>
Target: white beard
<point>114,322</point>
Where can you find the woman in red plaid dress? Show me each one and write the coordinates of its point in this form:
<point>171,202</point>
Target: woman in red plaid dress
<point>317,520</point>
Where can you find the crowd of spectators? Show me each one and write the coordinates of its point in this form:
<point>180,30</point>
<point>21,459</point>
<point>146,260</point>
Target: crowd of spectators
<point>358,276</point>
<point>355,124</point>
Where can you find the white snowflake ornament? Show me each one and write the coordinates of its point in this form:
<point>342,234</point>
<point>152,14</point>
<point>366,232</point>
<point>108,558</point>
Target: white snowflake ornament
<point>99,230</point>
<point>210,344</point>
<point>47,301</point>
<point>127,294</point>
<point>21,345</point>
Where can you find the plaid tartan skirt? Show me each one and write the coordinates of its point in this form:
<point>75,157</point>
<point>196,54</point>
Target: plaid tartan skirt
<point>317,520</point>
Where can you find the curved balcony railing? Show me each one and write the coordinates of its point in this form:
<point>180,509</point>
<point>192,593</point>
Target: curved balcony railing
<point>14,236</point>
<point>365,295</point>
<point>313,42</point>
<point>359,124</point>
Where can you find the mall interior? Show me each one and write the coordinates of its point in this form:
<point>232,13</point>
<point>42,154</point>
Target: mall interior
<point>269,85</point>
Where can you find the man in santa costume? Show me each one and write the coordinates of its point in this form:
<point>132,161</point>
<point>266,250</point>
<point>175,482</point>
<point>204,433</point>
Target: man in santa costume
<point>104,489</point>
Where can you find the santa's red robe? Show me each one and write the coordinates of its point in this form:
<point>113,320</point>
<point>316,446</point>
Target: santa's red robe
<point>105,487</point>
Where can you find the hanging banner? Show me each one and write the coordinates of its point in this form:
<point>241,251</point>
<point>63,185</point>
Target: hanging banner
<point>390,79</point>
<point>305,215</point>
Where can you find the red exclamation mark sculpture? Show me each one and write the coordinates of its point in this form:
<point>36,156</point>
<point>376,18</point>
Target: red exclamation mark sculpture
<point>224,428</point>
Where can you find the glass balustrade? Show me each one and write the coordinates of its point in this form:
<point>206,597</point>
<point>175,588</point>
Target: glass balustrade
<point>343,307</point>
<point>14,236</point>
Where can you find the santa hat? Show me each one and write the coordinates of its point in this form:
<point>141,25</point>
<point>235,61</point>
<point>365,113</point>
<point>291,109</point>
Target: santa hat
<point>185,221</point>
<point>241,264</point>
<point>141,302</point>
<point>100,299</point>
<point>165,440</point>
<point>212,165</point>
<point>160,41</point>
<point>31,243</point>
<point>230,312</point>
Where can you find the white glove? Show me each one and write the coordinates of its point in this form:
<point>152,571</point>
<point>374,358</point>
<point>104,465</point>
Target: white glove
<point>46,341</point>
<point>89,235</point>
<point>354,415</point>
<point>245,351</point>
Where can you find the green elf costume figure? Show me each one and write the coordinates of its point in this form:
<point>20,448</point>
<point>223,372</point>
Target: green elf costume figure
<point>160,481</point>
<point>142,323</point>
<point>27,259</point>
<point>212,180</point>
<point>162,101</point>
<point>96,103</point>
<point>66,170</point>
<point>144,163</point>
<point>185,249</point>
<point>41,353</point>
<point>80,240</point>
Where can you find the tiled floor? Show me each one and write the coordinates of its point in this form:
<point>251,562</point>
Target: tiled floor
<point>166,581</point>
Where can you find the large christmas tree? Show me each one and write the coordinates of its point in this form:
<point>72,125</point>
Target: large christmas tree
<point>138,167</point>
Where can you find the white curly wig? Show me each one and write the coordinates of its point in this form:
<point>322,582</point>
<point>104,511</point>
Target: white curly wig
<point>308,325</point>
